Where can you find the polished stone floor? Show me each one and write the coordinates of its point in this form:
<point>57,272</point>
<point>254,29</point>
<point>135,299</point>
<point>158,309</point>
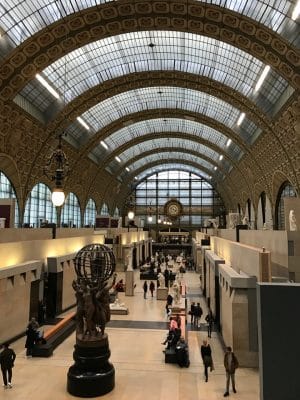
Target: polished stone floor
<point>136,353</point>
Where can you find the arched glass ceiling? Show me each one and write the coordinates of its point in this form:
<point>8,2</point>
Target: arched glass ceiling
<point>172,166</point>
<point>120,55</point>
<point>160,125</point>
<point>174,155</point>
<point>159,145</point>
<point>20,19</point>
<point>150,98</point>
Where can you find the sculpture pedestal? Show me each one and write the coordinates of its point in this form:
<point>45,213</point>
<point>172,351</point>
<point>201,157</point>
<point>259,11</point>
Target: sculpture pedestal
<point>162,293</point>
<point>129,283</point>
<point>92,374</point>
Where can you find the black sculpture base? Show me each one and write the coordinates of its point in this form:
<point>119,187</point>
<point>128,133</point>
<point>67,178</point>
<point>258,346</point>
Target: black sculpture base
<point>92,374</point>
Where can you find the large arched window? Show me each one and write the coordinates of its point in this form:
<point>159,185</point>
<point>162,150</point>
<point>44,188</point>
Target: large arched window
<point>39,207</point>
<point>90,213</point>
<point>7,191</point>
<point>194,198</point>
<point>286,190</point>
<point>104,210</point>
<point>70,213</point>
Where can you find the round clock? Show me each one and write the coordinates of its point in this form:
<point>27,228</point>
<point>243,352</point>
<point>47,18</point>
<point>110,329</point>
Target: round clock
<point>173,209</point>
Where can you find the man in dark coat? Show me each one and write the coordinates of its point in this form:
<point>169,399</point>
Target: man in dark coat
<point>7,359</point>
<point>231,364</point>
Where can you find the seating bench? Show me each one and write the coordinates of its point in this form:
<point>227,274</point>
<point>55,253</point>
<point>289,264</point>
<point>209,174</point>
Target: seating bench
<point>170,354</point>
<point>55,335</point>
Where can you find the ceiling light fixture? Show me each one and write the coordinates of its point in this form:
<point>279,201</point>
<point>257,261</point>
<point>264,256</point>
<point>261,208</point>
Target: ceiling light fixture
<point>296,11</point>
<point>221,157</point>
<point>228,143</point>
<point>47,86</point>
<point>241,119</point>
<point>56,169</point>
<point>103,144</point>
<point>83,123</point>
<point>262,78</point>
<point>215,168</point>
<point>127,169</point>
<point>57,166</point>
<point>118,159</point>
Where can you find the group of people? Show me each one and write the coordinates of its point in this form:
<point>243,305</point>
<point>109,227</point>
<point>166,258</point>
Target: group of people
<point>176,341</point>
<point>151,288</point>
<point>230,364</point>
<point>196,314</point>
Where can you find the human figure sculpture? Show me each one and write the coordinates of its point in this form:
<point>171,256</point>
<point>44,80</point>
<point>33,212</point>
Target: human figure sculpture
<point>233,220</point>
<point>102,309</point>
<point>176,291</point>
<point>292,221</point>
<point>80,306</point>
<point>161,280</point>
<point>245,220</point>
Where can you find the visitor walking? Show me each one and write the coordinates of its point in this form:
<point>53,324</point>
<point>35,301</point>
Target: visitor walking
<point>231,364</point>
<point>145,287</point>
<point>210,320</point>
<point>7,359</point>
<point>207,358</point>
<point>151,288</point>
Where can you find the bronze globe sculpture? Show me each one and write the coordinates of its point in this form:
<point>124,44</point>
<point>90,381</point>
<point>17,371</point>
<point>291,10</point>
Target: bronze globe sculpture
<point>92,374</point>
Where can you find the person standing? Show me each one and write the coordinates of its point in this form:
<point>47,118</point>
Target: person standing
<point>192,311</point>
<point>167,277</point>
<point>145,287</point>
<point>31,337</point>
<point>197,315</point>
<point>7,359</point>
<point>151,288</point>
<point>231,364</point>
<point>210,320</point>
<point>206,358</point>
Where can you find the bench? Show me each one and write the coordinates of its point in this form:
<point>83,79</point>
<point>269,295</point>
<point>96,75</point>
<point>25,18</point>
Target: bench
<point>170,354</point>
<point>55,335</point>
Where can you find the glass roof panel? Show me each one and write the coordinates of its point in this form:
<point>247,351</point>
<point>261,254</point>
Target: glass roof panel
<point>119,55</point>
<point>172,166</point>
<point>161,143</point>
<point>20,19</point>
<point>160,125</point>
<point>150,98</point>
<point>178,156</point>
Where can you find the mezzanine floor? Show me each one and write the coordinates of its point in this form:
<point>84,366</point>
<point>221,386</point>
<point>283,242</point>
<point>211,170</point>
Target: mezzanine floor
<point>136,353</point>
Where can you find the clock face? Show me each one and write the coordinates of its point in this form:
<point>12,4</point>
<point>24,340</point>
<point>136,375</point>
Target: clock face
<point>173,209</point>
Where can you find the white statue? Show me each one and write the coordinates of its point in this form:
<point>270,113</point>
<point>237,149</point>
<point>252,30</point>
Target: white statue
<point>245,220</point>
<point>292,220</point>
<point>161,280</point>
<point>265,227</point>
<point>233,220</point>
<point>129,261</point>
<point>176,291</point>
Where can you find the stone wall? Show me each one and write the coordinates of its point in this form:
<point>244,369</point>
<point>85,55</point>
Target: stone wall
<point>238,314</point>
<point>15,290</point>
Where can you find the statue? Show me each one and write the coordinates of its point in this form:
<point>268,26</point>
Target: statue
<point>161,280</point>
<point>292,221</point>
<point>233,220</point>
<point>245,220</point>
<point>92,374</point>
<point>176,291</point>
